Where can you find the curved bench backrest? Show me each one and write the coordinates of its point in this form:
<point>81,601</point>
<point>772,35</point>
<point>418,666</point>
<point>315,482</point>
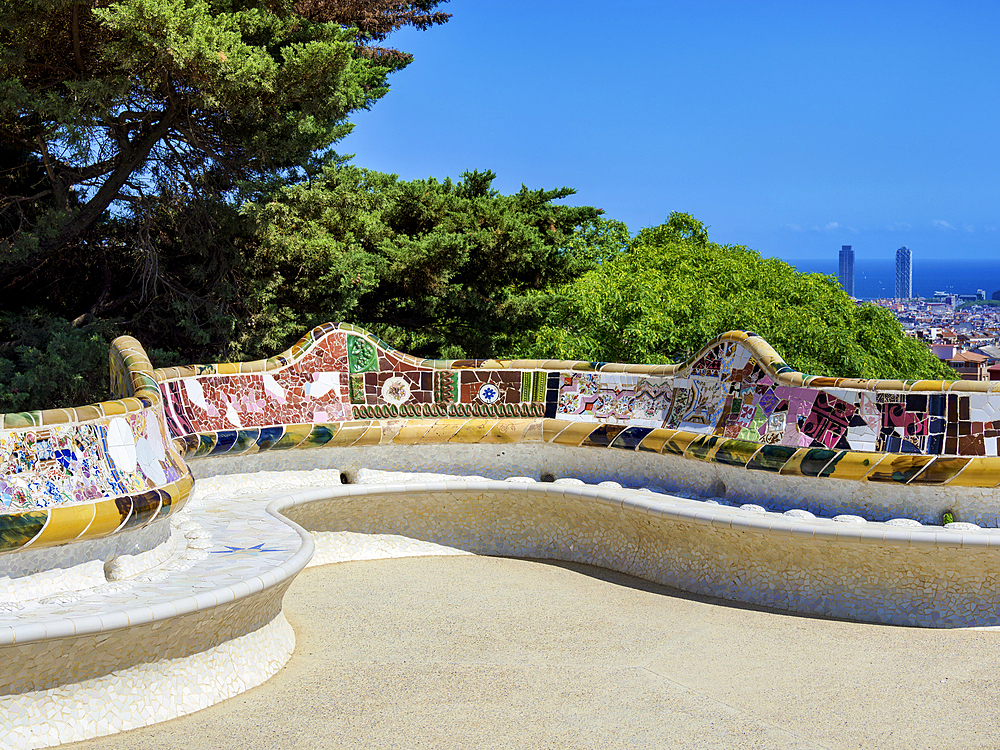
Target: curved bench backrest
<point>736,387</point>
<point>83,473</point>
<point>74,474</point>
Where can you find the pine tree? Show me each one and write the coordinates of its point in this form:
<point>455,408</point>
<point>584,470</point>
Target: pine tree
<point>118,100</point>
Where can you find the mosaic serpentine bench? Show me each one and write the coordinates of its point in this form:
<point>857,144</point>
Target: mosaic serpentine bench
<point>842,485</point>
<point>734,420</point>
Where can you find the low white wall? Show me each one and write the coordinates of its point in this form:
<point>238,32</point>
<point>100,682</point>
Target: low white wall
<point>875,501</point>
<point>868,572</point>
<point>144,693</point>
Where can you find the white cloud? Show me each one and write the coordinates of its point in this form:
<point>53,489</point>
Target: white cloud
<point>901,226</point>
<point>793,227</point>
<point>968,228</point>
<point>942,224</point>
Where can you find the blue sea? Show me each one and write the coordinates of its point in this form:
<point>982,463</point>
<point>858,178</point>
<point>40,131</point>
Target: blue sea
<point>874,279</point>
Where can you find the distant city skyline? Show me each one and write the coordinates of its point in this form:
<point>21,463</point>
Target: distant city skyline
<point>875,277</point>
<point>777,124</point>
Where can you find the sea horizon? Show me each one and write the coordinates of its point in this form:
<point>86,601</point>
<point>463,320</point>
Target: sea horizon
<point>876,279</point>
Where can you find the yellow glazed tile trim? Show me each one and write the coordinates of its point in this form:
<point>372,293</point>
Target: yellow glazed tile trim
<point>66,524</point>
<point>552,427</point>
<point>443,430</point>
<point>412,432</point>
<point>899,468</point>
<point>703,447</point>
<point>575,433</point>
<point>371,436</point>
<point>677,443</point>
<point>941,471</point>
<point>508,431</point>
<point>107,519</point>
<point>978,472</point>
<point>853,465</point>
<point>534,432</point>
<point>349,434</point>
<point>473,431</point>
<point>655,440</point>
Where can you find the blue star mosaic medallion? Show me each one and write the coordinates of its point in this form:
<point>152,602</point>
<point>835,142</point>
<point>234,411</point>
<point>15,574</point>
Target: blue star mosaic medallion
<point>489,393</point>
<point>247,551</point>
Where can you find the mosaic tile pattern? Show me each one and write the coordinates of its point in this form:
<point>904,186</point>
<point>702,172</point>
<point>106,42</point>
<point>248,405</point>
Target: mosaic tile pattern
<point>332,385</point>
<point>77,475</point>
<point>758,412</point>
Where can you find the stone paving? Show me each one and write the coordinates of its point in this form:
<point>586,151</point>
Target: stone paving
<point>479,652</point>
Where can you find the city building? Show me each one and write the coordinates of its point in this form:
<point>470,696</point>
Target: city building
<point>846,274</point>
<point>969,365</point>
<point>904,273</point>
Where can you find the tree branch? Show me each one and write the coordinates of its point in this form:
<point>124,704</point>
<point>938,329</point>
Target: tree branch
<point>130,160</point>
<point>58,189</point>
<point>76,38</point>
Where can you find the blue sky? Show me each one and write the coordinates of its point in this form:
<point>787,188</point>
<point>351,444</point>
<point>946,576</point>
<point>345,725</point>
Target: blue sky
<point>790,127</point>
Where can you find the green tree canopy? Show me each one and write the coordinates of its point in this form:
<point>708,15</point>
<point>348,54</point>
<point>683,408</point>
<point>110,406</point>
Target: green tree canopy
<point>436,268</point>
<point>114,101</point>
<point>674,290</point>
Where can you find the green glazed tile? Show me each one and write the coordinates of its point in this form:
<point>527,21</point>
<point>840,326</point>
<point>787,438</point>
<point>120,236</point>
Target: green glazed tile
<point>293,435</point>
<point>320,435</point>
<point>245,440</point>
<point>361,356</point>
<point>703,447</point>
<point>22,419</point>
<point>771,458</point>
<point>206,443</point>
<point>736,452</point>
<point>17,529</point>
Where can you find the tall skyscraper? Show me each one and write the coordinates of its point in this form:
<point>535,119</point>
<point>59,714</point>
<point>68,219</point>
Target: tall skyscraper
<point>846,274</point>
<point>904,273</point>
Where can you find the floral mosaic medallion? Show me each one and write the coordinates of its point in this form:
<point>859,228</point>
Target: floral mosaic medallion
<point>489,393</point>
<point>396,391</point>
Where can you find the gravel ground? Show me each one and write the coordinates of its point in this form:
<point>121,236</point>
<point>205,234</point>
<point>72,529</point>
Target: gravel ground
<point>479,652</point>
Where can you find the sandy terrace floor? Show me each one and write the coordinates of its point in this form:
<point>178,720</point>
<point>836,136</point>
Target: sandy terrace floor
<point>478,652</point>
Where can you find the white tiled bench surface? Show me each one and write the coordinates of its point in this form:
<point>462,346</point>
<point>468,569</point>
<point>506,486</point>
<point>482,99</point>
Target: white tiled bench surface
<point>235,547</point>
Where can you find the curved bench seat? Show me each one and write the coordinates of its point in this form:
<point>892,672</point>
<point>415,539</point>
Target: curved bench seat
<point>926,577</point>
<point>210,614</point>
<point>201,625</point>
<point>96,489</point>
